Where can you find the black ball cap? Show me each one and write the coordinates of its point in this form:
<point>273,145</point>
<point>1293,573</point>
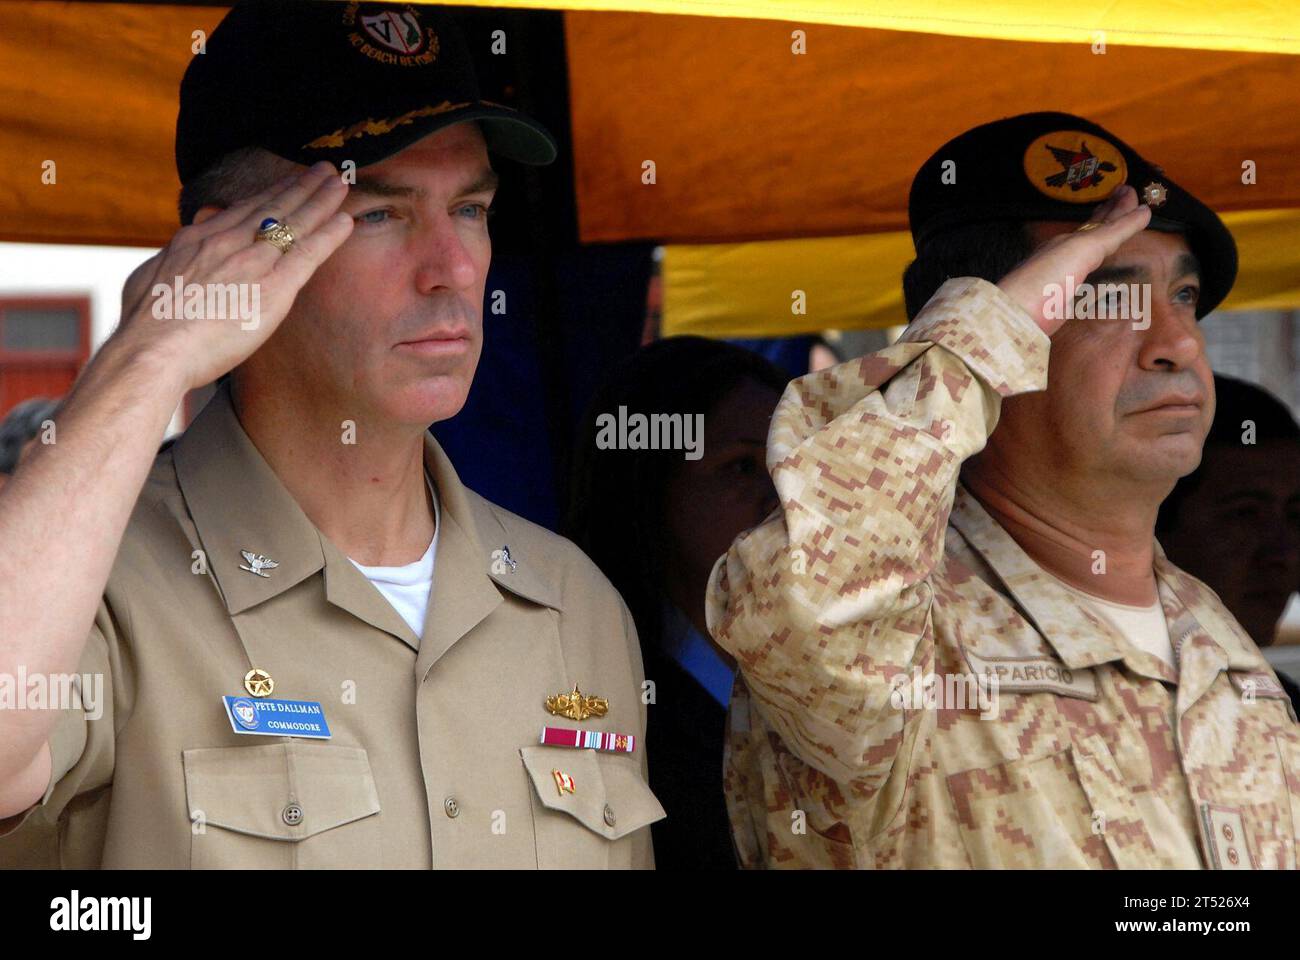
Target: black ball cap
<point>1056,166</point>
<point>311,80</point>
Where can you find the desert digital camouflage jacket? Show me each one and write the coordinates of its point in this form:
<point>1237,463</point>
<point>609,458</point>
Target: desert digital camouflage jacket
<point>880,569</point>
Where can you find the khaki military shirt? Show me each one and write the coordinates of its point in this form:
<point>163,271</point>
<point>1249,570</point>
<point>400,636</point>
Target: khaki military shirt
<point>435,758</point>
<point>880,571</point>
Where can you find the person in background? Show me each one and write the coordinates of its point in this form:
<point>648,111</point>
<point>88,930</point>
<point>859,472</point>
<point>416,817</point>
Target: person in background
<point>1234,522</point>
<point>822,356</point>
<point>655,521</point>
<point>20,429</point>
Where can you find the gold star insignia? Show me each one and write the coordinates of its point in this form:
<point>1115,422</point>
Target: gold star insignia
<point>258,683</point>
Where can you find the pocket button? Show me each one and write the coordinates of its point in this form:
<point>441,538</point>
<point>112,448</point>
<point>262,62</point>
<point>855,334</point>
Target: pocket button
<point>609,815</point>
<point>292,815</point>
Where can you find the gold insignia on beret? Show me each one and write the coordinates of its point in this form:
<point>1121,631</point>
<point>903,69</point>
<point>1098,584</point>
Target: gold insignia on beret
<point>1074,167</point>
<point>576,706</point>
<point>1154,194</point>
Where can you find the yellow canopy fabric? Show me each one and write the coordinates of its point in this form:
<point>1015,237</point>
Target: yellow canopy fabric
<point>751,289</point>
<point>1266,26</point>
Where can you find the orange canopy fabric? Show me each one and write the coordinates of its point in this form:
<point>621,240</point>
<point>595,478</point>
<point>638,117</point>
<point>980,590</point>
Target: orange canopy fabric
<point>93,88</point>
<point>752,141</point>
<point>749,139</point>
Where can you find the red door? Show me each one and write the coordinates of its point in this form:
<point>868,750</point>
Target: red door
<point>43,343</point>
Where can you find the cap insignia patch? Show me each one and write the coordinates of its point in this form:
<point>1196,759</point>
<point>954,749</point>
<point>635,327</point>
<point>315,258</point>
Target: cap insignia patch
<point>403,40</point>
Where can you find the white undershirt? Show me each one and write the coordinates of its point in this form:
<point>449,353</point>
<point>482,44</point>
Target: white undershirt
<point>1144,627</point>
<point>407,587</point>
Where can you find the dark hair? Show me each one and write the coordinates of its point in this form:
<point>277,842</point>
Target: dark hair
<point>1236,401</point>
<point>21,424</point>
<point>616,506</point>
<point>989,250</point>
<point>234,177</point>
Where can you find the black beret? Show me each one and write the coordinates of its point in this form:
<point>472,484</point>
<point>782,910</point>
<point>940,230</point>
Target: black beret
<point>311,80</point>
<point>1056,166</point>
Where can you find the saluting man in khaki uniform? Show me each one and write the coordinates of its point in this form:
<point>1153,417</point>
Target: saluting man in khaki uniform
<point>312,645</point>
<point>961,646</point>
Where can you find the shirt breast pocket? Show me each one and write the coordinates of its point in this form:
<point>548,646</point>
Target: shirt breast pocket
<point>1068,809</point>
<point>287,805</point>
<point>1289,845</point>
<point>586,807</point>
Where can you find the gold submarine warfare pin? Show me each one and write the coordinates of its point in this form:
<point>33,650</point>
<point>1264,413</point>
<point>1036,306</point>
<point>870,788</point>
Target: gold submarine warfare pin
<point>575,705</point>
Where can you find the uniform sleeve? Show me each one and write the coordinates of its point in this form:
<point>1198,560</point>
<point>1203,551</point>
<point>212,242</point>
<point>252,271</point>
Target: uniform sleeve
<point>81,751</point>
<point>829,598</point>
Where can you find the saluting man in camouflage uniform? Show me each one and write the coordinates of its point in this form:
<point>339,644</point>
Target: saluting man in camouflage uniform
<point>961,646</point>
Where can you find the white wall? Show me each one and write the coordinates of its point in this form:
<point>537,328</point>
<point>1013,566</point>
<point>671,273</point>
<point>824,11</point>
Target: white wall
<point>64,269</point>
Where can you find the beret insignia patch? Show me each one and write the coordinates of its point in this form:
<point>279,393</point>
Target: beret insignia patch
<point>1074,167</point>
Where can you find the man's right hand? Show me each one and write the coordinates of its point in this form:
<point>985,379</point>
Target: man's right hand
<point>223,249</point>
<point>1075,254</point>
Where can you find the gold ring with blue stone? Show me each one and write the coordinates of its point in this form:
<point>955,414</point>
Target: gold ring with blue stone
<point>275,233</point>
